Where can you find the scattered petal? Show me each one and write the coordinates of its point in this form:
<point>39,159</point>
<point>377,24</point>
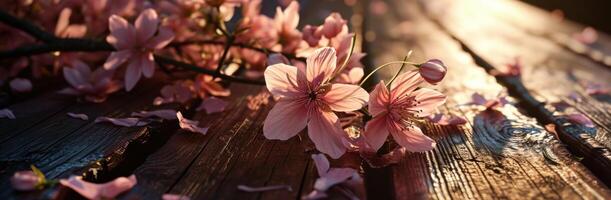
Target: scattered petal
<point>445,120</point>
<point>107,190</point>
<point>174,197</point>
<point>390,158</point>
<point>212,105</point>
<point>264,188</point>
<point>127,122</point>
<point>78,116</point>
<point>168,114</point>
<point>25,180</point>
<point>190,125</point>
<point>21,85</point>
<point>580,119</point>
<point>6,113</point>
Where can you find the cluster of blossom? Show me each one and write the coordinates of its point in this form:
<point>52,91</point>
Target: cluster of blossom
<point>208,34</point>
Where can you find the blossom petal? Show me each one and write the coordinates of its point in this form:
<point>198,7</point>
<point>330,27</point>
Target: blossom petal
<point>7,113</point>
<point>325,131</point>
<point>428,101</point>
<point>168,114</point>
<point>379,99</point>
<point>78,116</point>
<point>132,75</point>
<point>412,138</point>
<point>146,25</point>
<point>281,80</point>
<point>148,65</point>
<point>276,58</point>
<point>321,64</point>
<point>117,58</point>
<point>74,77</point>
<point>405,83</point>
<point>212,105</point>
<point>333,177</point>
<point>174,197</point>
<point>291,15</point>
<point>478,99</point>
<point>322,163</point>
<point>190,125</point>
<point>580,119</point>
<point>100,191</point>
<point>285,120</point>
<point>21,85</point>
<point>376,132</point>
<point>25,180</point>
<point>163,38</point>
<point>122,34</point>
<point>346,97</point>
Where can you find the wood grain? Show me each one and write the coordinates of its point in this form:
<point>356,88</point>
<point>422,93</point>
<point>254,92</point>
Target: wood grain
<point>509,157</point>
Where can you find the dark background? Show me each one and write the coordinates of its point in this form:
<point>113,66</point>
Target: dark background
<point>595,13</point>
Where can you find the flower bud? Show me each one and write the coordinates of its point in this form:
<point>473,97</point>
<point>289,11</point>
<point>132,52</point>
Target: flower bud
<point>433,71</point>
<point>25,180</point>
<point>311,35</point>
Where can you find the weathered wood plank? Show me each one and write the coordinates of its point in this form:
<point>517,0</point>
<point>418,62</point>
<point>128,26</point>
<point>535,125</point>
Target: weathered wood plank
<point>512,158</point>
<point>545,67</point>
<point>61,145</point>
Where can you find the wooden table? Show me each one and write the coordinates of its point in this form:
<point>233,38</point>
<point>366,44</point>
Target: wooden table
<point>513,157</point>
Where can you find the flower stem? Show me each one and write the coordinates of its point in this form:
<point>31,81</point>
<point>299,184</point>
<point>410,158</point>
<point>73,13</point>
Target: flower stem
<point>409,54</point>
<point>382,66</point>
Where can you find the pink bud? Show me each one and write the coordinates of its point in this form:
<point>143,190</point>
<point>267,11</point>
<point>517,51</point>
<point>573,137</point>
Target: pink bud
<point>276,58</point>
<point>333,25</point>
<point>21,85</point>
<point>433,71</point>
<point>25,180</point>
<point>311,35</point>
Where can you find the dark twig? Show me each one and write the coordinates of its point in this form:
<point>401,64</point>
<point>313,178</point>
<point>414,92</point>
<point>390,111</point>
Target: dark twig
<point>198,69</point>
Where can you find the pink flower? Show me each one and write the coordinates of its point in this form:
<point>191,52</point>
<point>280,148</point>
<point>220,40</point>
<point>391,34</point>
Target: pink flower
<point>206,85</point>
<point>21,85</point>
<point>212,105</point>
<point>330,177</point>
<point>433,71</point>
<point>95,86</point>
<point>306,98</point>
<point>179,92</point>
<point>136,44</point>
<point>174,197</point>
<point>25,180</point>
<point>588,35</point>
<point>96,191</point>
<point>286,25</point>
<point>395,112</point>
<point>190,125</point>
<point>63,28</point>
<point>333,25</point>
<point>311,35</point>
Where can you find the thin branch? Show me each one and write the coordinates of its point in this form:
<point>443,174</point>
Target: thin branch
<point>26,26</point>
<point>198,69</point>
<point>239,45</point>
<point>225,52</point>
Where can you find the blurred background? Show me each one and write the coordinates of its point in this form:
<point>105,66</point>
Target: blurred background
<point>596,13</point>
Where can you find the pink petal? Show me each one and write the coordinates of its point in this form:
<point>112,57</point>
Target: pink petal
<point>107,190</point>
<point>168,114</point>
<point>405,83</point>
<point>345,97</point>
<point>74,77</point>
<point>322,163</point>
<point>315,194</point>
<point>276,58</point>
<point>285,120</point>
<point>127,122</point>
<point>25,180</point>
<point>148,65</point>
<point>174,197</point>
<point>393,157</point>
<point>63,21</point>
<point>78,116</point>
<point>162,39</point>
<point>580,119</point>
<point>21,85</point>
<point>321,64</point>
<point>442,119</point>
<point>122,34</point>
<point>376,132</point>
<point>6,113</point>
<point>412,139</point>
<point>190,125</point>
<point>264,188</point>
<point>212,105</point>
<point>281,80</point>
<point>478,99</point>
<point>133,73</point>
<point>75,31</point>
<point>333,177</point>
<point>325,131</point>
<point>428,101</point>
<point>117,58</point>
<point>379,99</point>
<point>355,75</point>
<point>291,15</point>
<point>146,25</point>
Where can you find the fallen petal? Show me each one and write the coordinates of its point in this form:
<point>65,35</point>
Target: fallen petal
<point>127,122</point>
<point>78,116</point>
<point>6,113</point>
<point>333,177</point>
<point>212,105</point>
<point>168,114</point>
<point>580,119</point>
<point>25,180</point>
<point>390,158</point>
<point>445,120</point>
<point>264,188</point>
<point>107,190</point>
<point>315,195</point>
<point>174,197</point>
<point>190,125</point>
<point>21,85</point>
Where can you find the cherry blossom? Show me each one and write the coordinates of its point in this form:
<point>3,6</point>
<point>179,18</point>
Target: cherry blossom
<point>395,111</point>
<point>97,191</point>
<point>136,44</point>
<point>306,98</point>
<point>94,86</point>
<point>190,125</point>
